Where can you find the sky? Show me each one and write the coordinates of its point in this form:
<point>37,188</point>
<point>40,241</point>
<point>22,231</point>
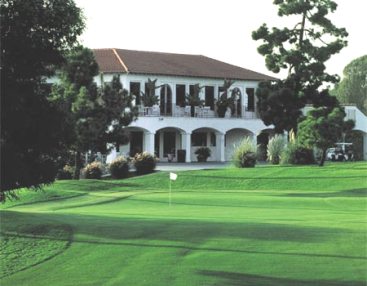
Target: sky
<point>215,28</point>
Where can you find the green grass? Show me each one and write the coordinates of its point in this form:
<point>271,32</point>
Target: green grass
<point>263,226</point>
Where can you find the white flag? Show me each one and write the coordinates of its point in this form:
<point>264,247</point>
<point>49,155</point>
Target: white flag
<point>172,176</point>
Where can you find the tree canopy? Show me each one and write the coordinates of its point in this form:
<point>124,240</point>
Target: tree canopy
<point>94,116</point>
<point>322,129</point>
<point>353,87</point>
<point>34,37</point>
<point>302,50</point>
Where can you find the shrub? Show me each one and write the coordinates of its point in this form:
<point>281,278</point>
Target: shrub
<point>275,148</point>
<point>297,155</point>
<point>93,170</point>
<point>119,167</point>
<point>304,156</point>
<point>65,173</point>
<point>144,163</point>
<point>289,154</point>
<point>244,155</point>
<point>203,153</point>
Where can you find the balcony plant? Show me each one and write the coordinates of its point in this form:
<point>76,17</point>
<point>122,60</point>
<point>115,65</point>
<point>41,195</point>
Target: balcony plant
<point>202,154</point>
<point>149,98</point>
<point>194,99</point>
<point>224,101</point>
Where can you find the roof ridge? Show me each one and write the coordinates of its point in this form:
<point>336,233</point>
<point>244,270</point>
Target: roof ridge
<point>156,52</point>
<point>120,60</point>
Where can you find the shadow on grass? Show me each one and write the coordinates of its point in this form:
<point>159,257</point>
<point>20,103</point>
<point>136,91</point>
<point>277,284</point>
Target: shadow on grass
<point>186,231</point>
<point>241,279</point>
<point>269,178</point>
<point>99,185</point>
<point>102,202</point>
<point>346,193</point>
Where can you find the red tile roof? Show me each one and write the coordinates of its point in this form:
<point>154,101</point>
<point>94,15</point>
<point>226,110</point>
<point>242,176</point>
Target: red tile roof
<point>155,63</point>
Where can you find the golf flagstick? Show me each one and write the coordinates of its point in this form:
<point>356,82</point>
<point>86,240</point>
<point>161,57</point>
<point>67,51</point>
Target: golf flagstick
<point>172,177</point>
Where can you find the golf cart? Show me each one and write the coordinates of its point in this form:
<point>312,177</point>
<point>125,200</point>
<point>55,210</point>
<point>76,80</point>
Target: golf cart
<point>341,152</point>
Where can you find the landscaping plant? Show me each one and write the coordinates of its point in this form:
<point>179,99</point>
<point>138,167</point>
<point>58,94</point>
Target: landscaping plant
<point>244,155</point>
<point>119,167</point>
<point>275,148</point>
<point>203,153</point>
<point>93,170</point>
<point>144,163</point>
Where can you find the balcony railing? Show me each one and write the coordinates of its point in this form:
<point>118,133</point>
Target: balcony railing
<point>198,112</point>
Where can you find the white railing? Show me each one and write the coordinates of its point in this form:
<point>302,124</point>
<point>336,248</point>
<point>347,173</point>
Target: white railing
<point>199,112</point>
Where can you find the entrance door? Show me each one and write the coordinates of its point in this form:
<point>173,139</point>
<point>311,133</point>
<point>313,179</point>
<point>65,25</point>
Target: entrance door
<point>166,100</point>
<point>136,142</point>
<point>169,143</point>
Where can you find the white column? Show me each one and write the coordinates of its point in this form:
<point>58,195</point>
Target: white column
<point>364,146</point>
<point>187,147</point>
<point>149,142</point>
<point>219,138</point>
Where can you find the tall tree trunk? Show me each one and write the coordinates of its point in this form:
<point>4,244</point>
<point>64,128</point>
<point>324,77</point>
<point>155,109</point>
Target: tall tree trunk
<point>78,165</point>
<point>323,156</point>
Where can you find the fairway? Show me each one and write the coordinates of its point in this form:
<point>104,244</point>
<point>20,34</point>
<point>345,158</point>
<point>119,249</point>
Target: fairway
<point>270,225</point>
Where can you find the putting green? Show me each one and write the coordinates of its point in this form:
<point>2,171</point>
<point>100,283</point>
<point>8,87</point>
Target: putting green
<point>262,226</point>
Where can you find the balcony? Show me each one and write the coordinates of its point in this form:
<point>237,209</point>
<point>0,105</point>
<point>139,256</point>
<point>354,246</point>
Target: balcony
<point>197,112</point>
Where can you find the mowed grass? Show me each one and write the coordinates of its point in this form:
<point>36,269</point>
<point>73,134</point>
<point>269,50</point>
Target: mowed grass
<point>263,226</point>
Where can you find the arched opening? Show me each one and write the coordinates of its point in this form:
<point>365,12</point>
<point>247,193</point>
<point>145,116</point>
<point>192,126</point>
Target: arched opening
<point>166,100</point>
<point>237,95</point>
<point>205,137</point>
<point>167,141</point>
<point>233,138</point>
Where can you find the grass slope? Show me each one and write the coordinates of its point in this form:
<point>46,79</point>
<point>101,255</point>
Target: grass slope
<point>262,226</point>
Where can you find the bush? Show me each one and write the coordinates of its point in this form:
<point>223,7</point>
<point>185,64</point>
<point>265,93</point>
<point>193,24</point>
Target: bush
<point>65,173</point>
<point>119,167</point>
<point>144,163</point>
<point>244,155</point>
<point>203,153</point>
<point>297,155</point>
<point>93,170</point>
<point>304,156</point>
<point>288,155</point>
<point>275,148</point>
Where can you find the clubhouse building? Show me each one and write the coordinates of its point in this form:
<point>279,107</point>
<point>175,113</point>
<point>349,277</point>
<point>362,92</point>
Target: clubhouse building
<point>171,129</point>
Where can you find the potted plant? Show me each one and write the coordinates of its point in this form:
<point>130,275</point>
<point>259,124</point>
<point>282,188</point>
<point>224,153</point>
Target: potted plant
<point>194,99</point>
<point>202,154</point>
<point>224,101</point>
<point>149,98</point>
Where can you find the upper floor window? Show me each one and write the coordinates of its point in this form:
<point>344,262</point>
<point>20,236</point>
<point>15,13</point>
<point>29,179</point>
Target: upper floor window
<point>180,94</point>
<point>250,99</point>
<point>209,97</point>
<point>135,90</point>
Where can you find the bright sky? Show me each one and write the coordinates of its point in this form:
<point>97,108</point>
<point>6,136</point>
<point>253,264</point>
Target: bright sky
<point>214,28</point>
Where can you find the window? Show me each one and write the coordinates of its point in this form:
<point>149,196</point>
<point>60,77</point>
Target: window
<point>251,99</point>
<point>209,97</point>
<point>135,90</point>
<point>180,95</point>
<point>198,139</point>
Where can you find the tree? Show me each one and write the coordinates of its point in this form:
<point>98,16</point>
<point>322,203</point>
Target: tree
<point>322,129</point>
<point>224,101</point>
<point>302,50</point>
<point>34,36</point>
<point>94,116</point>
<point>193,99</point>
<point>353,87</point>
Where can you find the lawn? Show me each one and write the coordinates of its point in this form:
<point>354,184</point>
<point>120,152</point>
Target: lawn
<point>263,226</point>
